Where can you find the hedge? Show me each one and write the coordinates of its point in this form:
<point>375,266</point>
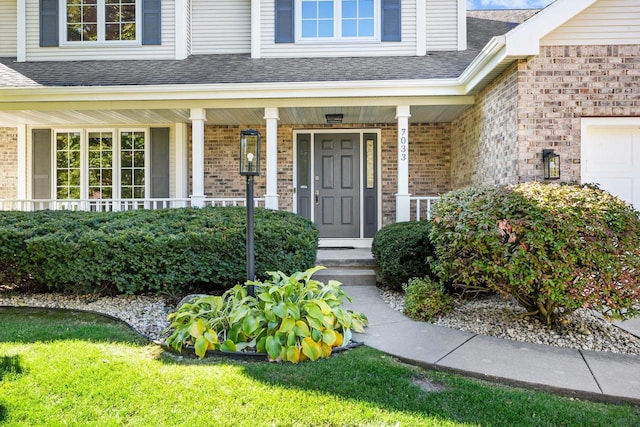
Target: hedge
<point>403,251</point>
<point>554,248</point>
<point>168,250</point>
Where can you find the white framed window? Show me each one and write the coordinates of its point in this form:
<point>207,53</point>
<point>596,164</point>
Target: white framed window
<point>100,21</point>
<point>101,164</point>
<point>337,20</point>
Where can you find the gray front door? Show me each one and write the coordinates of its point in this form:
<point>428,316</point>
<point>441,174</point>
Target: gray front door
<point>337,185</point>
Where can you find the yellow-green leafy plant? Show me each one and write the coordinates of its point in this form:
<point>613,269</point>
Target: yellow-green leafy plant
<point>291,318</point>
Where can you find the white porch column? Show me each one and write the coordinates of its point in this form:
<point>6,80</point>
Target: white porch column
<point>22,162</point>
<point>182,161</point>
<point>271,197</point>
<point>198,117</point>
<point>403,203</point>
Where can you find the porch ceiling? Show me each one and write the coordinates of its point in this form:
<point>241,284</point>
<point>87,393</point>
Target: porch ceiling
<point>296,116</point>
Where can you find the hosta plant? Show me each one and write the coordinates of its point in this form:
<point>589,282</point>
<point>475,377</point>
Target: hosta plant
<point>291,318</point>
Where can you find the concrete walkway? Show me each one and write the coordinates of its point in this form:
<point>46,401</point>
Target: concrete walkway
<point>577,373</point>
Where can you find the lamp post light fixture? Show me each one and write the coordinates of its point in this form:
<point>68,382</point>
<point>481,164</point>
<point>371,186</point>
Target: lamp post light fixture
<point>250,167</point>
<point>551,162</point>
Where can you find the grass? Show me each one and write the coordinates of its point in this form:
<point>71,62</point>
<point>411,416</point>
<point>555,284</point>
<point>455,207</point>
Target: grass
<point>67,368</point>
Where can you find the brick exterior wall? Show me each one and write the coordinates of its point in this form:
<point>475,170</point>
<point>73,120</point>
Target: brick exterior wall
<point>564,84</point>
<point>429,161</point>
<point>484,149</point>
<point>538,104</point>
<point>8,163</point>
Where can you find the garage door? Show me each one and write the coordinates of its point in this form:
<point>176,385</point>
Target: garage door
<point>611,156</point>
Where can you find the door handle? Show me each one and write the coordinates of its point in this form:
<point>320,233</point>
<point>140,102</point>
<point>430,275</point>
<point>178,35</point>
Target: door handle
<point>317,197</point>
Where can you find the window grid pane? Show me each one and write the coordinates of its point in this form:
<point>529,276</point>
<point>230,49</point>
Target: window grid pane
<point>100,165</point>
<point>120,20</point>
<point>317,19</point>
<point>68,165</point>
<point>132,170</point>
<point>82,20</point>
<point>357,18</point>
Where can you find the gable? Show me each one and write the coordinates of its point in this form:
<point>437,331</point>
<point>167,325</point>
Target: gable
<point>605,22</point>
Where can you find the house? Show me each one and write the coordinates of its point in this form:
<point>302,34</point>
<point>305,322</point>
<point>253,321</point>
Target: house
<point>366,107</point>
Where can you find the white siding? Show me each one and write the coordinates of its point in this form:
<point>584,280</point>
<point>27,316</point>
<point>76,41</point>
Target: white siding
<point>8,28</point>
<point>442,25</point>
<point>606,22</point>
<point>407,47</point>
<point>220,26</point>
<point>37,53</point>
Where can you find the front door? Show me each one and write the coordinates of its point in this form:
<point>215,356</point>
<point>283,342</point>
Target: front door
<point>337,185</point>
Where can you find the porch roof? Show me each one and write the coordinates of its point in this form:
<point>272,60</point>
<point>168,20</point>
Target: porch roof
<point>240,69</point>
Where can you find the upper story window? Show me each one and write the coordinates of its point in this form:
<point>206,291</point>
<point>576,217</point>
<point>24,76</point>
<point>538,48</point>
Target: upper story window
<point>338,19</point>
<point>101,20</point>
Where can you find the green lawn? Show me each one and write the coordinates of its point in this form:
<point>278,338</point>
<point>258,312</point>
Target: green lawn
<point>65,368</point>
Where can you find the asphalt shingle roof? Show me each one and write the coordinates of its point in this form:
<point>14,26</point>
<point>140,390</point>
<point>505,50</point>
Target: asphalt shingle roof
<point>217,69</point>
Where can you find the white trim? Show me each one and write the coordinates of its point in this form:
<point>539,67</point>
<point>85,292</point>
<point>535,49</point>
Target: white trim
<point>421,28</point>
<point>198,119</point>
<point>182,160</point>
<point>271,196</point>
<point>524,40</point>
<point>256,29</point>
<point>182,27</point>
<point>22,162</point>
<point>364,243</point>
<point>403,203</point>
<point>462,24</point>
<point>21,55</point>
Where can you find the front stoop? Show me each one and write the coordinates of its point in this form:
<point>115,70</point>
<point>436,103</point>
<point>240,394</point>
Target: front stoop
<point>353,267</point>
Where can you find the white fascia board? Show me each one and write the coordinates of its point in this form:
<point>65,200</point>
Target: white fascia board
<point>493,55</point>
<point>524,40</point>
<point>363,89</point>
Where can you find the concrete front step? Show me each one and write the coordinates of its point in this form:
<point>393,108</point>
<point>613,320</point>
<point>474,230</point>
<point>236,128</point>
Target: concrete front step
<point>350,276</point>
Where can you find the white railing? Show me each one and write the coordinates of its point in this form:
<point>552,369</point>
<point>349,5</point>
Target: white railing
<point>112,205</point>
<point>422,206</point>
<point>233,201</point>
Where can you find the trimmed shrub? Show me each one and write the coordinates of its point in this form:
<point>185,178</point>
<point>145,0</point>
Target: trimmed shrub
<point>553,247</point>
<point>402,251</point>
<point>425,299</point>
<point>170,250</point>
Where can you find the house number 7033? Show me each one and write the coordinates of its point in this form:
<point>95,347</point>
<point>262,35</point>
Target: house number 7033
<point>403,145</point>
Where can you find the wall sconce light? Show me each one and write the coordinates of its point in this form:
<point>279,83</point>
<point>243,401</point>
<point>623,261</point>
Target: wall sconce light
<point>551,162</point>
<point>333,119</point>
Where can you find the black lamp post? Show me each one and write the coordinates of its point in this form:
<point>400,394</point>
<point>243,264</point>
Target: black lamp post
<point>250,167</point>
<point>551,162</point>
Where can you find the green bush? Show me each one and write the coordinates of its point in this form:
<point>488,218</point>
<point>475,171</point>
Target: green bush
<point>425,299</point>
<point>554,248</point>
<point>402,251</point>
<point>170,250</point>
<point>291,318</point>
